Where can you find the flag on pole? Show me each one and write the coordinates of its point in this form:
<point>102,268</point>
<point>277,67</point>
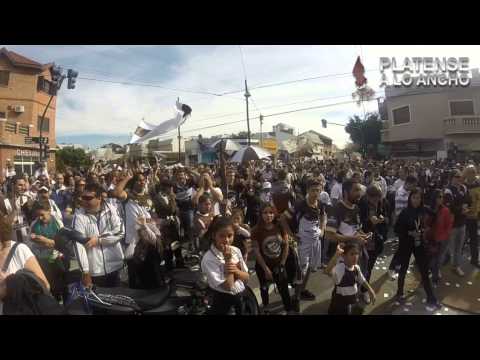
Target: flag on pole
<point>358,73</point>
<point>147,131</point>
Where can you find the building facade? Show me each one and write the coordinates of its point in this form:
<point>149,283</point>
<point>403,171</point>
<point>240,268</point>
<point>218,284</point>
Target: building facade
<point>429,122</point>
<point>24,86</point>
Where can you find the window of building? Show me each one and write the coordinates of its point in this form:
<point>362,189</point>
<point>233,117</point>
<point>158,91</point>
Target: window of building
<point>461,107</point>
<point>46,124</point>
<point>4,77</point>
<point>3,115</point>
<point>43,84</point>
<point>401,115</point>
<point>24,130</point>
<point>11,127</point>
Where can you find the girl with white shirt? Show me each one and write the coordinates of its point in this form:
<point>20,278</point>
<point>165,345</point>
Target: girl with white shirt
<point>22,258</point>
<point>224,267</point>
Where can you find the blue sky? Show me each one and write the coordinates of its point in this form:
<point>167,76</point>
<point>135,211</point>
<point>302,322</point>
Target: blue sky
<point>96,107</point>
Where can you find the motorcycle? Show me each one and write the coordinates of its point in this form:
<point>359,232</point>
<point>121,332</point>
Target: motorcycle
<point>185,292</point>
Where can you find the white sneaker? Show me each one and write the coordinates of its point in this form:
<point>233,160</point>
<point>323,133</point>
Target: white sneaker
<point>459,271</point>
<point>393,275</point>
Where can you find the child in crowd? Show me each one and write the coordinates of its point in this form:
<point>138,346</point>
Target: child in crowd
<point>347,278</point>
<point>242,233</point>
<point>224,268</point>
<point>201,221</point>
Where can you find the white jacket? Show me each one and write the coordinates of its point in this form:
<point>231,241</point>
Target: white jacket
<point>108,228</point>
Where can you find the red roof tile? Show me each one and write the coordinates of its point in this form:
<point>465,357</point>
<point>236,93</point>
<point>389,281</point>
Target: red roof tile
<point>19,60</point>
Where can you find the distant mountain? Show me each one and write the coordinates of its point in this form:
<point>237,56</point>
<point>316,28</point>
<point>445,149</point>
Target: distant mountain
<point>93,140</point>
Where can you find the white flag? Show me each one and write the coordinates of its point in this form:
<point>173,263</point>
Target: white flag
<point>142,129</point>
<point>146,131</point>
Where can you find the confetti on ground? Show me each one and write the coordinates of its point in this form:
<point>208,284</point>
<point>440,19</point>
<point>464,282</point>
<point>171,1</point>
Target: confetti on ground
<point>447,284</point>
<point>396,303</point>
<point>408,271</point>
<point>385,295</point>
<point>377,268</point>
<point>406,309</point>
<point>408,304</point>
<point>384,268</point>
<point>437,313</point>
<point>469,283</point>
<point>424,301</point>
<point>446,309</point>
<point>457,285</point>
<point>478,299</point>
<point>411,291</point>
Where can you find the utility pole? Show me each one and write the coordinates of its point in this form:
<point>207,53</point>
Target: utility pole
<point>261,131</point>
<point>179,149</point>
<point>247,95</point>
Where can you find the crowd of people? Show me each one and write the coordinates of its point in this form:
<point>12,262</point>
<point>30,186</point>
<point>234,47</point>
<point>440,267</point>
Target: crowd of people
<point>287,220</point>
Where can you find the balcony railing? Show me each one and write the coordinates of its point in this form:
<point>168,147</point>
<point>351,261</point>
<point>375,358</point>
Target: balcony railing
<point>462,125</point>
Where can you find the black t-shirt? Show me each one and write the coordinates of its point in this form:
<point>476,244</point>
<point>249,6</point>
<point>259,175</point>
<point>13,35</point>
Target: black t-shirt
<point>345,220</point>
<point>270,243</point>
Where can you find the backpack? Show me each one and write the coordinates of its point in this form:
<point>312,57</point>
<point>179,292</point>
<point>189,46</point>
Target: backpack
<point>27,295</point>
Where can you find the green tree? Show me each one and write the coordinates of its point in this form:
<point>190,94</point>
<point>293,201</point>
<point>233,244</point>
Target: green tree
<point>365,132</point>
<point>72,157</point>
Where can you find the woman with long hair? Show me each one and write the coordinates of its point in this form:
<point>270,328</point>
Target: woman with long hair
<point>439,225</point>
<point>410,228</point>
<point>270,244</point>
<point>21,257</point>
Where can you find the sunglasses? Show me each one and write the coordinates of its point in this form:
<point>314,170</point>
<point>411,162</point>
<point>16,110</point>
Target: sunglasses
<point>88,198</point>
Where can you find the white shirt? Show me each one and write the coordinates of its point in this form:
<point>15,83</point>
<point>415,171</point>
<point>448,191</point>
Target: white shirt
<point>213,266</point>
<point>132,212</point>
<point>20,257</point>
<point>40,172</point>
<point>336,192</point>
<point>110,227</point>
<point>401,200</point>
<point>398,184</point>
<point>324,198</point>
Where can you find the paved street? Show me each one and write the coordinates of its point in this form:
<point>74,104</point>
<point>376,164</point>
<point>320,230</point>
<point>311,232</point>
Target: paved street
<point>321,285</point>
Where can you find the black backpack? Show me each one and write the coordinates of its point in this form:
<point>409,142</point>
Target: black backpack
<point>27,295</point>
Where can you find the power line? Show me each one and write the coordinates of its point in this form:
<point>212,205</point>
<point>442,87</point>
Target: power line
<point>295,81</point>
<point>150,85</point>
<point>165,137</point>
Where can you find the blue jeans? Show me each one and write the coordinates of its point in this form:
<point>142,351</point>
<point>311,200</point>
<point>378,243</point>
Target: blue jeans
<point>186,223</point>
<point>437,260</point>
<point>456,240</point>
